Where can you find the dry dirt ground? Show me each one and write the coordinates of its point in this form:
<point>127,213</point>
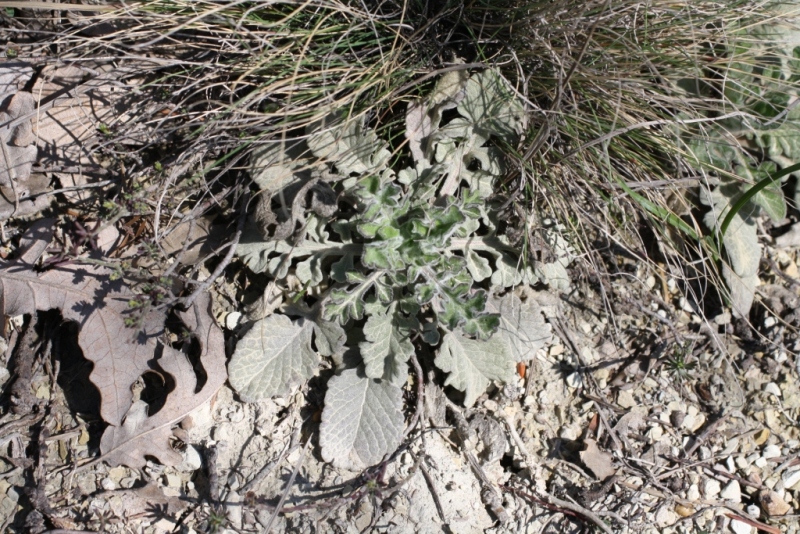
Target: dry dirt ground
<point>641,417</point>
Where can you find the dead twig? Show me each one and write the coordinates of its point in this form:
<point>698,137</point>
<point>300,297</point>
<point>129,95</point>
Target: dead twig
<point>432,488</point>
<point>753,523</point>
<point>288,488</point>
<point>420,396</point>
<point>588,514</point>
<point>225,261</point>
<point>695,443</point>
<point>267,469</point>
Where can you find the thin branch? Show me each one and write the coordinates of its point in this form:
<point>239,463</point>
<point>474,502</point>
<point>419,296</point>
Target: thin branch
<point>288,488</point>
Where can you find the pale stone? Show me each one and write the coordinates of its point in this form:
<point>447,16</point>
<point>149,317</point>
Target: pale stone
<point>772,503</point>
<point>730,464</point>
<point>665,517</point>
<point>191,460</point>
<point>655,433</point>
<point>732,492</point>
<point>711,488</point>
<point>771,451</point>
<point>791,479</point>
<point>773,389</point>
<point>574,380</point>
<point>739,527</point>
<point>625,399</point>
<point>699,421</point>
<point>108,484</point>
<point>232,320</point>
<point>172,481</point>
<point>742,463</point>
<point>569,433</point>
<point>693,493</point>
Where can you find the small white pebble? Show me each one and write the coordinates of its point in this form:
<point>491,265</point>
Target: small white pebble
<point>753,511</point>
<point>730,464</point>
<point>108,484</point>
<point>732,492</point>
<point>769,322</point>
<point>232,320</point>
<point>773,389</point>
<point>771,451</point>
<point>672,285</point>
<point>574,380</point>
<point>173,481</point>
<point>740,527</point>
<point>711,488</point>
<point>790,478</point>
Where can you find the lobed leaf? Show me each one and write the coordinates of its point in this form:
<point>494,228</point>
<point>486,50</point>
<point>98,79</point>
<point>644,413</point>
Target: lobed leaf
<point>522,326</point>
<point>388,346</point>
<point>472,364</point>
<point>347,144</point>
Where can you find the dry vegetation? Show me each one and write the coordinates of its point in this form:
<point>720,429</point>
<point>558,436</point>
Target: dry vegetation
<point>667,398</point>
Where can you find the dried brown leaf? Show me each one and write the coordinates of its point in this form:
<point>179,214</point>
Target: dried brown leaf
<point>599,462</point>
<point>139,435</point>
<point>16,156</point>
<point>87,295</point>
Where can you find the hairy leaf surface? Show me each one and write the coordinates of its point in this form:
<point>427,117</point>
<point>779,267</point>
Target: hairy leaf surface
<point>362,421</point>
<point>388,345</point>
<point>522,326</point>
<point>472,364</point>
<point>348,145</point>
<point>272,357</point>
<point>741,246</point>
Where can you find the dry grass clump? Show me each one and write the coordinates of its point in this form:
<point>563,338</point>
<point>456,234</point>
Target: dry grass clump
<point>617,91</point>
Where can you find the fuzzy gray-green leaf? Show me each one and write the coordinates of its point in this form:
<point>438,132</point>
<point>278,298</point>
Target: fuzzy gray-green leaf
<point>741,246</point>
<point>388,346</point>
<point>471,364</point>
<point>348,145</point>
<point>272,357</point>
<point>362,421</point>
<point>522,326</point>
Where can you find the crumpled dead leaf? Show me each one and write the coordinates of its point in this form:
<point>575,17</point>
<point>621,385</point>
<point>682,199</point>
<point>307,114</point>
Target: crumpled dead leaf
<point>599,462</point>
<point>17,155</point>
<point>68,130</point>
<point>87,295</point>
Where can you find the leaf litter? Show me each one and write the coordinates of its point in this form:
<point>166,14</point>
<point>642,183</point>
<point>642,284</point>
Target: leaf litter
<point>88,295</point>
